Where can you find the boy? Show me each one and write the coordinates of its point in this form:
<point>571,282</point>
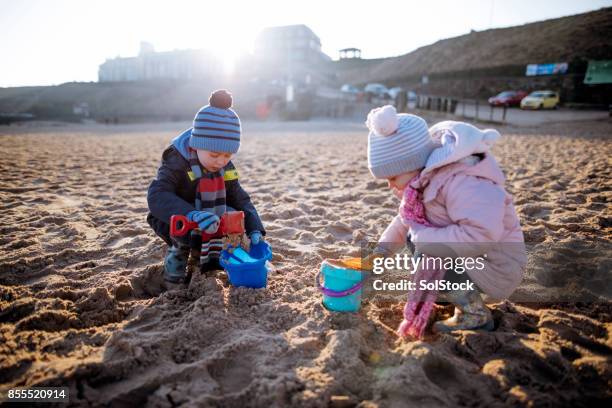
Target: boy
<point>197,179</point>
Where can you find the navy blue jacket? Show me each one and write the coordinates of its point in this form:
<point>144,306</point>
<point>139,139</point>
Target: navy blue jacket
<point>172,192</point>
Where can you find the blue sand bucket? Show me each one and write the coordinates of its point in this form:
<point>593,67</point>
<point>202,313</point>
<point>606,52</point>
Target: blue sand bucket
<point>341,287</point>
<point>247,268</point>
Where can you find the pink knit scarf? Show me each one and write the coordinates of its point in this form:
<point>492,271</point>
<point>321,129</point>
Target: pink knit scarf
<point>420,302</point>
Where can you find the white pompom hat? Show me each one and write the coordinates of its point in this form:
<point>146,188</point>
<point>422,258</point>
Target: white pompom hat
<point>397,143</point>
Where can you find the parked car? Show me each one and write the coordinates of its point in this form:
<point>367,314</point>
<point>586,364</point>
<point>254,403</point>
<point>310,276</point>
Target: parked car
<point>348,88</point>
<point>541,100</point>
<point>507,98</point>
<point>378,90</point>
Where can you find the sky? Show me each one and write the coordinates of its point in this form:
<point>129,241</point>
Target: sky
<point>46,42</point>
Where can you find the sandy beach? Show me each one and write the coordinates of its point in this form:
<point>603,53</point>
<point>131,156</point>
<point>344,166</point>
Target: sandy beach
<point>82,304</point>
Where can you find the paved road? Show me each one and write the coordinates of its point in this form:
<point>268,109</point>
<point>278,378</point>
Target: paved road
<point>518,117</point>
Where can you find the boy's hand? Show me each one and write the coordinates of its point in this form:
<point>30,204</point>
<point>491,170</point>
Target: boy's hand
<point>208,222</point>
<point>255,237</point>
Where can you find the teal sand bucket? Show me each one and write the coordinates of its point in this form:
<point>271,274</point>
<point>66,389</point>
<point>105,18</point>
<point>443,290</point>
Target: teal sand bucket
<point>341,287</point>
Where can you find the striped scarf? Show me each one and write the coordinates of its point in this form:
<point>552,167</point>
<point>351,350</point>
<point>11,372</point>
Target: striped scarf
<point>210,197</point>
<point>420,303</point>
<point>210,191</point>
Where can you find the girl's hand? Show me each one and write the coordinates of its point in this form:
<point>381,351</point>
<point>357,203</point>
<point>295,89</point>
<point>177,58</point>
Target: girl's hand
<point>367,263</point>
<point>398,193</point>
<point>382,250</point>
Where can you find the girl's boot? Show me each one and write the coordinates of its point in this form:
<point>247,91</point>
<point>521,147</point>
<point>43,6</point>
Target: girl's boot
<point>470,313</point>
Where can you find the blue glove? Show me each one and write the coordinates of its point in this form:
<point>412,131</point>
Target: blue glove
<point>255,237</point>
<point>208,222</point>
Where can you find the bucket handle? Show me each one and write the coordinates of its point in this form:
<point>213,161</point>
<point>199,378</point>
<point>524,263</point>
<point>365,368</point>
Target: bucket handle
<point>337,293</point>
<point>231,255</point>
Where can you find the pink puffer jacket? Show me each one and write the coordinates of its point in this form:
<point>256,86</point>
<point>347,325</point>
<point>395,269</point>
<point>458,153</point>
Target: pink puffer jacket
<point>467,204</point>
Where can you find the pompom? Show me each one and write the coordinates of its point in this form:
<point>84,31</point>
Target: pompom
<point>383,121</point>
<point>221,99</point>
<point>490,137</point>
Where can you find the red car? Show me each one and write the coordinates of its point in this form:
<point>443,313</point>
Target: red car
<point>507,98</point>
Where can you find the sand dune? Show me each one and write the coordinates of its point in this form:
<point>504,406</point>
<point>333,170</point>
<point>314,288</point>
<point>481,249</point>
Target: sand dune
<point>82,305</point>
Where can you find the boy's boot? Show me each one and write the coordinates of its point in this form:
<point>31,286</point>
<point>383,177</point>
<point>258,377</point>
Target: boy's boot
<point>175,264</point>
<point>211,265</point>
<point>470,313</point>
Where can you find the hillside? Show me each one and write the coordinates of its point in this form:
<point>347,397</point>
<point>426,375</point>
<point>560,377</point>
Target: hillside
<point>161,99</point>
<point>565,39</point>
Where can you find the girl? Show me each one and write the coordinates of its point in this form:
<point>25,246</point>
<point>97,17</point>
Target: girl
<point>453,201</point>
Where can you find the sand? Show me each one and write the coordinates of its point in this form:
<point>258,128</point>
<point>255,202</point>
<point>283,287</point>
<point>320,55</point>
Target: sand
<point>82,304</point>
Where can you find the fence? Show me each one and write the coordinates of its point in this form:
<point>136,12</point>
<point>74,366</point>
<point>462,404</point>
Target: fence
<point>472,108</point>
<point>467,108</point>
<point>325,102</point>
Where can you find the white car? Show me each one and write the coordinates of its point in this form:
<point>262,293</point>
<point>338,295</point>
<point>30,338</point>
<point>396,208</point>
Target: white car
<point>348,88</point>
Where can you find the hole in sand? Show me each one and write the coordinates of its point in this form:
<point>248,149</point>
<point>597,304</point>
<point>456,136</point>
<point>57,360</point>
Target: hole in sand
<point>85,265</point>
<point>524,327</point>
<point>498,317</point>
<point>570,354</point>
<point>232,375</point>
<point>440,372</point>
<point>14,371</point>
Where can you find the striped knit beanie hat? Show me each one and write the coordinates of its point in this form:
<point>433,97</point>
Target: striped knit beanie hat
<point>397,143</point>
<point>216,127</point>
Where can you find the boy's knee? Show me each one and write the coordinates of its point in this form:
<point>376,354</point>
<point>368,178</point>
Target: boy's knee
<point>160,228</point>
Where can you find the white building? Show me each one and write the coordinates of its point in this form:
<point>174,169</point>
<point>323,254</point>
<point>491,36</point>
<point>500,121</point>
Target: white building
<point>179,64</point>
<point>293,44</point>
<point>288,55</point>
